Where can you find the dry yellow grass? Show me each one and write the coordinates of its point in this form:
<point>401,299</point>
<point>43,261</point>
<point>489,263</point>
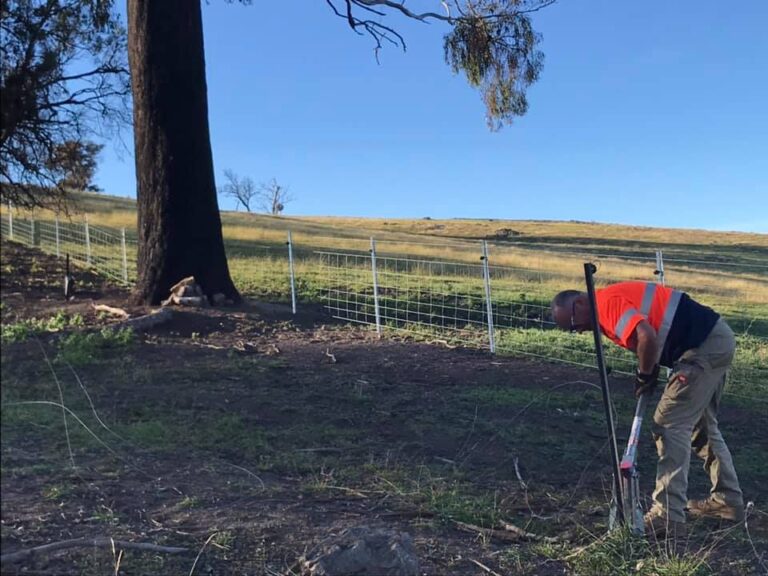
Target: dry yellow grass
<point>537,249</point>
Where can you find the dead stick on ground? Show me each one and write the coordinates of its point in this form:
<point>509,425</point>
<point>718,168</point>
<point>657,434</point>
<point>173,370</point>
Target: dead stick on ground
<point>90,542</point>
<point>147,321</point>
<point>488,532</point>
<point>510,533</point>
<point>527,535</point>
<point>200,553</point>
<point>484,567</point>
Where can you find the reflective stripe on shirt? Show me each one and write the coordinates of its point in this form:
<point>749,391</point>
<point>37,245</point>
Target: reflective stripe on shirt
<point>666,321</point>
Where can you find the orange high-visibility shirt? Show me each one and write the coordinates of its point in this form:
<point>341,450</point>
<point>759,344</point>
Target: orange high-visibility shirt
<point>621,307</point>
<point>680,322</point>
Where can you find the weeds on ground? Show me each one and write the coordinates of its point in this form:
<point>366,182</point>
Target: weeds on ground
<point>621,552</point>
<point>25,329</point>
<point>78,349</point>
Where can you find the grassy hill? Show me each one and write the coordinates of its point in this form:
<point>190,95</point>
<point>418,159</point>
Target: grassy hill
<point>431,269</point>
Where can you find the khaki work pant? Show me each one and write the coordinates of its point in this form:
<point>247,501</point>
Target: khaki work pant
<point>686,417</point>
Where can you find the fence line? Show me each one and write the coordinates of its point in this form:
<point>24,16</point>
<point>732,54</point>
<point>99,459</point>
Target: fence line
<point>102,249</point>
<point>500,308</point>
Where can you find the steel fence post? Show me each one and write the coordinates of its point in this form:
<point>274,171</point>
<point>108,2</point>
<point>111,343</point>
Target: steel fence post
<point>659,272</point>
<point>125,255</point>
<point>87,243</point>
<point>375,286</point>
<point>58,238</point>
<point>293,277</point>
<point>488,301</point>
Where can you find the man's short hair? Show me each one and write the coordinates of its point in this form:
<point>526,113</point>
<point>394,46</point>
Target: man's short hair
<point>564,298</point>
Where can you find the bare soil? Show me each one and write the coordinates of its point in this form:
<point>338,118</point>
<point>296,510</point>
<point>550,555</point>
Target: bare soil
<point>248,435</point>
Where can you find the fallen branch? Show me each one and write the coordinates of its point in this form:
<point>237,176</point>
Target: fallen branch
<point>510,533</point>
<point>527,535</point>
<point>111,310</point>
<point>484,567</point>
<point>147,321</point>
<point>488,532</point>
<point>89,542</point>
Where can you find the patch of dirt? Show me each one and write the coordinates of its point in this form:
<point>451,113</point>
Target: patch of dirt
<point>272,431</point>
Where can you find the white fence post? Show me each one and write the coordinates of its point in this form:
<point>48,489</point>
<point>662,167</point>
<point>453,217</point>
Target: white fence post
<point>293,277</point>
<point>125,255</point>
<point>87,243</point>
<point>10,220</point>
<point>375,286</point>
<point>659,267</point>
<point>58,240</point>
<point>488,301</point>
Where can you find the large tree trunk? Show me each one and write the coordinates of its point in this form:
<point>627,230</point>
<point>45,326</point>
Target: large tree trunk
<point>179,222</point>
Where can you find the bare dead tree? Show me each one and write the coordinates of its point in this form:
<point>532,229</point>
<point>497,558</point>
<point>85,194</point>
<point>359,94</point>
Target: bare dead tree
<point>243,190</point>
<point>64,77</point>
<point>491,41</point>
<point>273,197</point>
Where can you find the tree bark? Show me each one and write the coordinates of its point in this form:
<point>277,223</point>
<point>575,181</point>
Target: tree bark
<point>178,212</point>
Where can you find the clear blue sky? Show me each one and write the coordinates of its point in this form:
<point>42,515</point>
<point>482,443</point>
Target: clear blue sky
<point>647,113</point>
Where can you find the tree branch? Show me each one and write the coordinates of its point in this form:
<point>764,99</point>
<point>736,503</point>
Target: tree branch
<point>89,542</point>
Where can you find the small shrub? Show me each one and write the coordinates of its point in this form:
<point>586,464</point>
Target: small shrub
<point>80,348</point>
<point>15,332</point>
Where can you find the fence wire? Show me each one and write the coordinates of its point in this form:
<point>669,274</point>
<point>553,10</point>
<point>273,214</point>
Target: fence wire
<point>450,298</point>
<point>447,300</point>
<point>107,251</point>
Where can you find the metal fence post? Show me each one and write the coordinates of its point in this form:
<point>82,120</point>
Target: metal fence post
<point>32,232</point>
<point>375,286</point>
<point>290,268</point>
<point>488,301</point>
<point>659,267</point>
<point>87,243</point>
<point>125,255</point>
<point>58,241</point>
<point>659,272</point>
<point>10,220</point>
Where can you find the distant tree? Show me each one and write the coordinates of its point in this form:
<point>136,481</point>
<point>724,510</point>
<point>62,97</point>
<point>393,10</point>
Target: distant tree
<point>243,190</point>
<point>491,41</point>
<point>63,78</point>
<point>273,197</point>
<point>76,163</point>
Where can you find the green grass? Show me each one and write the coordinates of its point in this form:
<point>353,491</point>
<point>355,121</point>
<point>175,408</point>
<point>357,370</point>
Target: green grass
<point>621,553</point>
<point>719,269</point>
<point>25,329</point>
<point>81,348</point>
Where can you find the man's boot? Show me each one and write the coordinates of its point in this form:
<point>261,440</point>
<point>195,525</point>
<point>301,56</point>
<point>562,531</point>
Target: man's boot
<point>710,508</point>
<point>660,526</point>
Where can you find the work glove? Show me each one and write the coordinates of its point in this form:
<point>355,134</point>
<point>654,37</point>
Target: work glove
<point>646,383</point>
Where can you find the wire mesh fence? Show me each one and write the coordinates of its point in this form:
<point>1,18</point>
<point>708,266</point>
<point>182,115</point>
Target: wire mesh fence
<point>107,251</point>
<point>452,300</point>
<point>487,295</point>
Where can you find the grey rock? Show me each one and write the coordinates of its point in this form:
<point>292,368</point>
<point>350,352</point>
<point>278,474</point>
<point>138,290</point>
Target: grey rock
<point>365,551</point>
